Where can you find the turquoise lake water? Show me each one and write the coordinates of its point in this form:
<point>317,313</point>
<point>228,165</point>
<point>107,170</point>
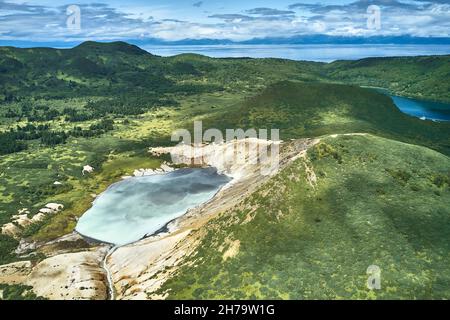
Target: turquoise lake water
<point>136,207</point>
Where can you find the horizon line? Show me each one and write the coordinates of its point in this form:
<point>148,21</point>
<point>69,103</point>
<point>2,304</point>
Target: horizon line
<point>320,39</point>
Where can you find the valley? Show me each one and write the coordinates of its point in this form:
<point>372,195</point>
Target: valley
<point>361,183</point>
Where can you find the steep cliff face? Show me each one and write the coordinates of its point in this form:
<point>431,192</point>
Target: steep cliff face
<point>236,158</point>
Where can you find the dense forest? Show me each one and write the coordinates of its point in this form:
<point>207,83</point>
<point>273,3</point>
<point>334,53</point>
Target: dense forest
<point>15,139</point>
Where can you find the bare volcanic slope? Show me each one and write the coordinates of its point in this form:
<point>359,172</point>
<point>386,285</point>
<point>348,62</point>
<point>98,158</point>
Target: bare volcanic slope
<point>313,230</point>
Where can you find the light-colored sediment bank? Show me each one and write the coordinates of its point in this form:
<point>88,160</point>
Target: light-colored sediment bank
<point>75,269</point>
<point>138,270</point>
<point>71,271</point>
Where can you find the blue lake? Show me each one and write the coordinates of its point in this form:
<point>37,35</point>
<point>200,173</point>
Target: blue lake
<point>429,110</point>
<point>136,207</point>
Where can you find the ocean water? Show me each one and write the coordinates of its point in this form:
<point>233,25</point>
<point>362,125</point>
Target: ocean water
<point>133,208</point>
<point>320,52</point>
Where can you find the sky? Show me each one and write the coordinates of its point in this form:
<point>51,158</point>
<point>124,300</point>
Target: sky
<point>237,20</point>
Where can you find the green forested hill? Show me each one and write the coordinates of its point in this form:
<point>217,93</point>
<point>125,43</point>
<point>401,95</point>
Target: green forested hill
<point>104,69</point>
<point>101,68</point>
<point>313,109</point>
<point>421,77</point>
<point>89,69</point>
<point>376,202</point>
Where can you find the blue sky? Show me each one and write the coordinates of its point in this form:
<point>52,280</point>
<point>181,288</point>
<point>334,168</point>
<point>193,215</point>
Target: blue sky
<point>232,19</point>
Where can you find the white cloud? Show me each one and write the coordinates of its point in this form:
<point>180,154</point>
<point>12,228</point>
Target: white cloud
<point>23,21</point>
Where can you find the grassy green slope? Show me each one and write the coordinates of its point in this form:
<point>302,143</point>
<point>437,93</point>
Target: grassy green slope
<point>89,69</point>
<point>314,109</point>
<point>105,69</point>
<point>377,202</point>
<point>422,77</point>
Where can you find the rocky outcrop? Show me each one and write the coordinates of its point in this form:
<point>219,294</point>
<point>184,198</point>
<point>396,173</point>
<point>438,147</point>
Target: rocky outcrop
<point>15,273</point>
<point>12,230</point>
<point>234,158</point>
<point>71,276</point>
<point>165,168</point>
<point>21,220</point>
<point>65,274</point>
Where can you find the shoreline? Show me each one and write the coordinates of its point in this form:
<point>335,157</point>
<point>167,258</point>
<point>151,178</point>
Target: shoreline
<point>146,260</point>
<point>134,271</point>
<point>165,228</point>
